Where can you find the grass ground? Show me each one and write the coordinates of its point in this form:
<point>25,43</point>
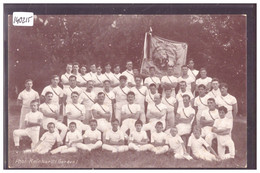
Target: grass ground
<point>129,159</point>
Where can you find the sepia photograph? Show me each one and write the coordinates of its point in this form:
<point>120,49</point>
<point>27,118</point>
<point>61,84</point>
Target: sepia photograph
<point>126,90</point>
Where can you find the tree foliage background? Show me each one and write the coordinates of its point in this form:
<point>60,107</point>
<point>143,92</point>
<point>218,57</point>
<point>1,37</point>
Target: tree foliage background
<point>217,42</point>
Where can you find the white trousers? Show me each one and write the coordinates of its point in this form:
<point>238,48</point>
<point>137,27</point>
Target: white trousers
<point>89,147</point>
<point>145,147</point>
<point>222,148</point>
<point>42,148</point>
<point>65,149</point>
<point>208,134</point>
<point>103,125</point>
<point>160,149</point>
<point>24,111</point>
<point>115,148</point>
<point>204,155</point>
<point>128,124</point>
<point>33,134</point>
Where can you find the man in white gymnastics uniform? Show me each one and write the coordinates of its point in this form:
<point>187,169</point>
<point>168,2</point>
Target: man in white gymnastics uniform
<point>140,94</point>
<point>116,74</point>
<point>222,127</point>
<point>114,140</point>
<point>188,79</point>
<point>215,92</point>
<point>183,91</point>
<point>91,138</point>
<point>129,74</point>
<point>152,78</point>
<point>101,113</point>
<point>228,101</point>
<point>109,97</point>
<point>208,117</point>
<point>24,99</point>
<point>93,71</point>
<point>83,78</point>
<point>33,121</point>
<point>50,113</point>
<point>171,104</point>
<point>88,99</point>
<point>55,89</point>
<point>130,113</point>
<point>65,76</point>
<point>76,113</point>
<point>184,118</point>
<point>204,80</point>
<point>120,96</point>
<point>200,102</point>
<point>192,72</point>
<point>155,112</point>
<point>72,88</point>
<point>169,81</point>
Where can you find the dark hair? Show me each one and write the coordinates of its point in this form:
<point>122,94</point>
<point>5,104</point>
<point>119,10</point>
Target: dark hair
<point>72,76</point>
<point>50,123</point>
<point>73,123</point>
<point>186,95</point>
<point>100,93</point>
<point>75,92</point>
<point>159,123</point>
<point>202,86</point>
<point>131,93</point>
<point>212,99</point>
<point>48,92</point>
<point>114,120</point>
<point>223,108</point>
<point>138,121</point>
<point>196,127</point>
<point>215,79</point>
<point>93,121</point>
<point>54,76</point>
<point>152,67</point>
<point>183,82</point>
<point>84,66</point>
<point>106,81</point>
<point>203,69</point>
<point>33,101</point>
<point>28,80</point>
<point>138,76</point>
<point>122,77</point>
<point>76,63</point>
<point>184,66</point>
<point>152,85</point>
<point>108,63</point>
<point>116,65</point>
<point>223,85</point>
<point>167,87</point>
<point>191,60</point>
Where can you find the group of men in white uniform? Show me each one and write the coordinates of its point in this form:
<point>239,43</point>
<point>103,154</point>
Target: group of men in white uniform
<point>116,112</point>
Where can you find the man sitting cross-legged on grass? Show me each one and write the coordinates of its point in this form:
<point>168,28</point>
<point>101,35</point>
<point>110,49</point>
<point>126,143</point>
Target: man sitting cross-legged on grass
<point>138,139</point>
<point>196,144</point>
<point>91,138</point>
<point>47,141</point>
<point>177,145</point>
<point>114,140</point>
<point>72,138</point>
<point>159,139</point>
<point>222,127</point>
<point>33,120</point>
<point>130,113</point>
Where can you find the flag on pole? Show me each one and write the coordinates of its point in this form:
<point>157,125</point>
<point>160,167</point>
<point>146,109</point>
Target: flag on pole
<point>160,53</point>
